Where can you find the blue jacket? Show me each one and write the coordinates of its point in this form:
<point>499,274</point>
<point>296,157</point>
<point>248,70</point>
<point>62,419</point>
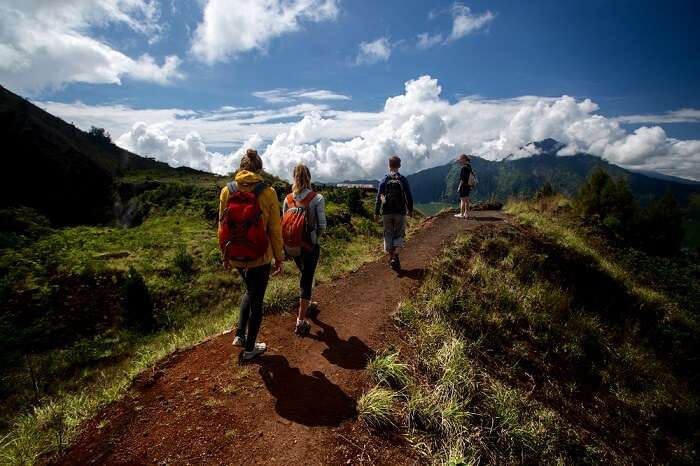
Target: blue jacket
<point>382,190</point>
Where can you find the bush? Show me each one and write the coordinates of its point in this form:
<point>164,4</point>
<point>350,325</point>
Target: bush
<point>183,262</point>
<point>547,190</point>
<point>354,202</point>
<point>137,302</point>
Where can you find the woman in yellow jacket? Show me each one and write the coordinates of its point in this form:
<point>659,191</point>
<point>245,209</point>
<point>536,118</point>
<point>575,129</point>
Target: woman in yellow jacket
<point>255,273</point>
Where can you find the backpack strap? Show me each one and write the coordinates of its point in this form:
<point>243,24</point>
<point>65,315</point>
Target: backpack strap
<point>259,188</point>
<point>232,187</point>
<point>308,198</point>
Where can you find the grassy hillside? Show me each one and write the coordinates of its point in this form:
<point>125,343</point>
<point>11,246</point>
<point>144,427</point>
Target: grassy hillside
<point>64,173</point>
<point>544,344</point>
<point>85,309</point>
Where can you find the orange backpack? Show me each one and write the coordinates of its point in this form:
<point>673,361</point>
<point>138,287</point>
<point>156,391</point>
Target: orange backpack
<point>296,232</point>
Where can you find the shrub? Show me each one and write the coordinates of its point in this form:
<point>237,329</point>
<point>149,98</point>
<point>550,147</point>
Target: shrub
<point>545,191</point>
<point>354,202</point>
<point>184,262</point>
<point>137,302</point>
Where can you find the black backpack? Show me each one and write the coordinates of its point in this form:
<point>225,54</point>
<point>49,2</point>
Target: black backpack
<point>394,197</point>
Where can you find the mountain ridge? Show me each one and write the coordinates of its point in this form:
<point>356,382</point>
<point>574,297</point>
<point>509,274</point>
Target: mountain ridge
<point>59,170</point>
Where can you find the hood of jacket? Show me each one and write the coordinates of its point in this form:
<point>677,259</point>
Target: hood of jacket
<point>247,180</point>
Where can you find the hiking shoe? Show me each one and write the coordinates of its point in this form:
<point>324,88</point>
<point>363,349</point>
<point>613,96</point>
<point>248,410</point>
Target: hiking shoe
<point>259,349</point>
<point>396,263</point>
<point>238,341</point>
<point>302,328</point>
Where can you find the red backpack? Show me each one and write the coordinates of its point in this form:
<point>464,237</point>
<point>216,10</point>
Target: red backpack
<point>242,236</point>
<point>296,232</point>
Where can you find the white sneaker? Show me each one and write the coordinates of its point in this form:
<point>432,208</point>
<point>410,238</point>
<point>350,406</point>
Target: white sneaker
<point>238,341</point>
<point>259,349</point>
<point>459,216</point>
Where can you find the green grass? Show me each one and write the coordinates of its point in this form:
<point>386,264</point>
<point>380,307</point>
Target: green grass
<point>72,370</point>
<point>546,345</point>
<point>386,369</point>
<point>375,407</point>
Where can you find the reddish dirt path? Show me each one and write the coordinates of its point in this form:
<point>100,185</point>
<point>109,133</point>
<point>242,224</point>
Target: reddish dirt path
<point>293,405</point>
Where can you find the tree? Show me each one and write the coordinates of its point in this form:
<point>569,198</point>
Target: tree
<point>609,202</point>
<point>99,134</point>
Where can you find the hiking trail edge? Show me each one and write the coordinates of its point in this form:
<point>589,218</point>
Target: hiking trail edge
<point>296,404</point>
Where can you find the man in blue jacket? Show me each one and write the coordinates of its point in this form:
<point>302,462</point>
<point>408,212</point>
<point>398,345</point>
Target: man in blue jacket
<point>394,202</point>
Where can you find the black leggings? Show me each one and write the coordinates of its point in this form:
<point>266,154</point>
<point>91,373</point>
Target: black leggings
<point>250,317</point>
<point>307,263</point>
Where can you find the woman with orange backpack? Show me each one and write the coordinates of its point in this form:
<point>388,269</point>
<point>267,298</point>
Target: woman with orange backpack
<point>303,223</point>
<point>249,237</point>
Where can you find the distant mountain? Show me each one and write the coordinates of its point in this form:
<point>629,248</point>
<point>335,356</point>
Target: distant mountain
<point>524,176</point>
<point>56,168</point>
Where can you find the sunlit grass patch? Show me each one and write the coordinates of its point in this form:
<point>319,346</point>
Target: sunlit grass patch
<point>376,408</point>
<point>386,369</point>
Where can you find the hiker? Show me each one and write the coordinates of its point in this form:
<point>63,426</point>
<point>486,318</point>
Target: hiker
<point>303,223</point>
<point>394,202</point>
<point>249,237</point>
<point>467,180</point>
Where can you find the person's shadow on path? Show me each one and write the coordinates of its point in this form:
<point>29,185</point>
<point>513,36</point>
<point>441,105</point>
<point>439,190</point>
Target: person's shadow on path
<point>311,400</point>
<point>352,353</point>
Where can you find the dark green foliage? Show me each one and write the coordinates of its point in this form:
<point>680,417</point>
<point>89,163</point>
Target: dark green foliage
<point>100,134</point>
<point>660,226</point>
<point>547,190</point>
<point>183,262</point>
<point>137,303</point>
<point>354,202</point>
<point>608,203</point>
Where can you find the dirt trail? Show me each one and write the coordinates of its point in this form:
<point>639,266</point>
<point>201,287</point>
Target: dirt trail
<point>294,405</point>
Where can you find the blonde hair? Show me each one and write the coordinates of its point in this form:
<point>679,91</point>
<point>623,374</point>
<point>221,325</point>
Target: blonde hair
<point>302,178</point>
<point>251,161</point>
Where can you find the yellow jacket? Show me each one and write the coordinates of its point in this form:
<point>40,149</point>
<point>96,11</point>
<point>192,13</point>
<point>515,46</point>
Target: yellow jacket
<point>270,207</point>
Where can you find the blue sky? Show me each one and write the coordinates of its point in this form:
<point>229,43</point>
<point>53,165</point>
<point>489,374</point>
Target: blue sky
<point>637,62</point>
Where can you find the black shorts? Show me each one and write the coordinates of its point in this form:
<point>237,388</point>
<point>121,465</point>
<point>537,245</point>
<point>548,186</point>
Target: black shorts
<point>464,191</point>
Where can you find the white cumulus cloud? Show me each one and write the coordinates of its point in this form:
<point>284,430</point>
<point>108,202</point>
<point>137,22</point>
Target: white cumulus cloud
<point>230,27</point>
<point>420,126</point>
<point>373,52</point>
<point>49,43</point>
